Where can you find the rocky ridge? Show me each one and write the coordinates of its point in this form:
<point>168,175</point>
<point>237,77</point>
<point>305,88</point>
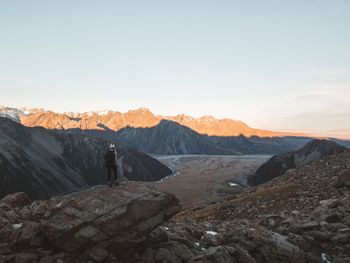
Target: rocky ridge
<point>281,163</point>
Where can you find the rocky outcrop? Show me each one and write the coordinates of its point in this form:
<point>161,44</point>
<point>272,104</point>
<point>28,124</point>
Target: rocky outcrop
<point>280,164</point>
<point>99,224</point>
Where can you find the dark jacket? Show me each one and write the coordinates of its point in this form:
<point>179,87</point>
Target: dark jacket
<point>110,160</point>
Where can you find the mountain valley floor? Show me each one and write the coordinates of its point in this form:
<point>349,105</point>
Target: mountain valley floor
<point>202,179</point>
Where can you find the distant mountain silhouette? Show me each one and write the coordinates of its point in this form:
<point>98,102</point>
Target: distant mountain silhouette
<point>44,163</point>
<point>279,164</point>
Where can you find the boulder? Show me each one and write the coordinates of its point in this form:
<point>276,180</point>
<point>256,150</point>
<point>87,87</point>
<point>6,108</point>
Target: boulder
<point>98,224</point>
<point>344,179</point>
<point>116,218</point>
<point>217,254</point>
<point>17,200</point>
<point>312,225</point>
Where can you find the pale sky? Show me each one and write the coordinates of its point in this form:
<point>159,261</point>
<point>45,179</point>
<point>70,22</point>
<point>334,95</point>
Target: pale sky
<point>278,65</point>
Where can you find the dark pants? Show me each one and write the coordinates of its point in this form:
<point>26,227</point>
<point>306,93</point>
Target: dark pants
<point>114,169</point>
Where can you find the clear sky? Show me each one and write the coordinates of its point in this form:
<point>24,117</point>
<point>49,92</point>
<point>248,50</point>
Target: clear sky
<point>281,65</point>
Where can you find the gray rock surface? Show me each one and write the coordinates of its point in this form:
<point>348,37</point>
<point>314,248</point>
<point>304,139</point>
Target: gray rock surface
<point>95,224</point>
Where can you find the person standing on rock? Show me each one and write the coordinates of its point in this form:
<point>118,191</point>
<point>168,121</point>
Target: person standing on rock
<point>111,160</point>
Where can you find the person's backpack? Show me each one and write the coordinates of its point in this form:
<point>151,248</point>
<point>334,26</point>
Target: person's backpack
<point>110,159</point>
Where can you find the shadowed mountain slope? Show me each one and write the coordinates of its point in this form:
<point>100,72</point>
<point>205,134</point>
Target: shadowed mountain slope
<point>279,164</point>
<point>44,163</point>
<point>169,137</point>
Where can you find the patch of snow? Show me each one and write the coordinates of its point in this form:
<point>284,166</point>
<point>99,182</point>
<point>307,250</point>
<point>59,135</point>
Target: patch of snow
<point>10,115</point>
<point>166,228</point>
<point>233,184</point>
<point>213,233</point>
<point>17,226</point>
<point>197,244</point>
<point>103,112</point>
<point>203,248</point>
<point>324,258</point>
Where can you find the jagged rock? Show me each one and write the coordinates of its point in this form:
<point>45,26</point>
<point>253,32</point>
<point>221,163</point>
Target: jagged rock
<point>312,225</point>
<point>57,258</point>
<point>341,260</point>
<point>332,218</point>
<point>148,256</point>
<point>164,255</point>
<point>120,217</point>
<point>25,258</point>
<point>28,233</point>
<point>179,250</point>
<point>244,255</point>
<point>213,255</point>
<point>344,179</point>
<point>98,254</point>
<point>341,238</point>
<point>210,240</point>
<point>330,203</point>
<point>16,200</point>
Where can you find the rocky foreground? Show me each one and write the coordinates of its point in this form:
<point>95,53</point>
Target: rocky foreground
<point>302,216</point>
<point>101,224</point>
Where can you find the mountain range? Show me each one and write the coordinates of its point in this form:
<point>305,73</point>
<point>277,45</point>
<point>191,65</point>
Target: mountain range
<point>139,118</point>
<point>156,134</point>
<point>44,163</point>
<point>149,133</point>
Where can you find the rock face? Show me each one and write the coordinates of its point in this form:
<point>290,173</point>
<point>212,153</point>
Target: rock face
<point>97,224</point>
<point>44,163</point>
<point>279,164</point>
